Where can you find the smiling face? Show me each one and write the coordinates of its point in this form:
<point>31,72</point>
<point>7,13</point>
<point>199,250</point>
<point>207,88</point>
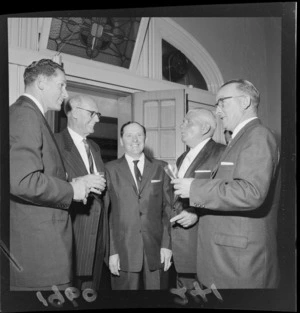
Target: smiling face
<point>133,140</point>
<point>54,90</point>
<point>230,110</point>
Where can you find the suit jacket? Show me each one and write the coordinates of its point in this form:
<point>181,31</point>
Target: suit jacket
<point>139,221</point>
<point>40,224</point>
<point>237,233</point>
<point>90,220</point>
<point>184,240</point>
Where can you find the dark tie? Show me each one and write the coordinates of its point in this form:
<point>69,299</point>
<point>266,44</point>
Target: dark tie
<point>88,151</point>
<point>137,173</point>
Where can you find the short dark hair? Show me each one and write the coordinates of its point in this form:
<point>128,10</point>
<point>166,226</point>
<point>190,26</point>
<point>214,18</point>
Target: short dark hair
<point>131,122</point>
<point>246,87</point>
<point>45,67</point>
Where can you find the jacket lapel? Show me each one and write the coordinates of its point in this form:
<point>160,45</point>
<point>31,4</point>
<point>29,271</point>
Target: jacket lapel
<point>180,160</point>
<point>72,155</point>
<point>97,157</point>
<point>125,170</point>
<point>199,159</point>
<point>146,173</point>
<point>233,142</point>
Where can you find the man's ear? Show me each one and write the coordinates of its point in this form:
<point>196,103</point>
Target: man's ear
<point>41,80</point>
<point>74,112</point>
<point>121,142</point>
<point>246,102</point>
<point>205,128</point>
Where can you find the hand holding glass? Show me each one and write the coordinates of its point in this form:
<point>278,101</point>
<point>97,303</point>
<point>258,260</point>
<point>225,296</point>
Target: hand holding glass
<point>171,170</point>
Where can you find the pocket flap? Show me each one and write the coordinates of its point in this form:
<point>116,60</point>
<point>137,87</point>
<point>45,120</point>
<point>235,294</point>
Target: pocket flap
<point>231,240</point>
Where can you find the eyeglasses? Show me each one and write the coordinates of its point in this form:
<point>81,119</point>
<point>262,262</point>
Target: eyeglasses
<point>93,113</point>
<point>220,102</point>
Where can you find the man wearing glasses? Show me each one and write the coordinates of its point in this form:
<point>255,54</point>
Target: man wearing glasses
<point>239,202</point>
<point>82,158</point>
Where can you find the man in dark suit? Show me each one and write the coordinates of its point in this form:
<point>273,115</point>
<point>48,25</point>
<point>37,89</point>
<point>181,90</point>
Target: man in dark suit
<point>40,225</point>
<point>237,232</point>
<point>197,130</point>
<point>140,194</point>
<point>90,220</point>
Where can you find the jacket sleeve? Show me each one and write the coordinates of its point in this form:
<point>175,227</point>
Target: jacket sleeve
<point>247,187</point>
<point>166,214</point>
<point>107,202</point>
<point>28,178</point>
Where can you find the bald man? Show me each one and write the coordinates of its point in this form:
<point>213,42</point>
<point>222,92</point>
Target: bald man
<point>82,158</point>
<point>197,130</point>
<point>238,237</point>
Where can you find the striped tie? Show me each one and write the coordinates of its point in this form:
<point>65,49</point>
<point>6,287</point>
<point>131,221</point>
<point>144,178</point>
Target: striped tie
<point>138,174</point>
<point>88,151</point>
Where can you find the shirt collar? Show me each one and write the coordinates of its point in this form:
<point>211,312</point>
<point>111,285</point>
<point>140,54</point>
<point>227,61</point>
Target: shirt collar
<point>38,104</point>
<point>76,137</point>
<point>194,151</point>
<point>131,159</point>
<point>241,125</point>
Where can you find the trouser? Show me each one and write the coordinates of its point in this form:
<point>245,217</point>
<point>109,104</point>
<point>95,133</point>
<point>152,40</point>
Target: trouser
<point>145,279</point>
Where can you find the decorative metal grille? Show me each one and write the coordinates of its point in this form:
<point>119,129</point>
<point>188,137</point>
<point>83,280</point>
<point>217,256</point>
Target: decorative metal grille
<point>105,39</point>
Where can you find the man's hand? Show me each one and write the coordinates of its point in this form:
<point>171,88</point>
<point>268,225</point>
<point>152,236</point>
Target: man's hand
<point>81,190</point>
<point>182,186</point>
<point>165,257</point>
<point>114,264</point>
<point>185,218</point>
<point>95,183</point>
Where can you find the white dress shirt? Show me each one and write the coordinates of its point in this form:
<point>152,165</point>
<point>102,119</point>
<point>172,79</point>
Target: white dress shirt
<point>190,156</point>
<point>140,165</point>
<point>78,141</point>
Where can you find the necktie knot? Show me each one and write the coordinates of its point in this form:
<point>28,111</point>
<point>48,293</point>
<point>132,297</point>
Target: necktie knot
<point>86,145</point>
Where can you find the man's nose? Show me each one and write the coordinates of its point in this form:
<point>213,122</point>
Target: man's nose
<point>65,94</point>
<point>218,110</point>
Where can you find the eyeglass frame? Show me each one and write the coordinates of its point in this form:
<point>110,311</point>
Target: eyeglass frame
<point>93,113</point>
<point>225,98</point>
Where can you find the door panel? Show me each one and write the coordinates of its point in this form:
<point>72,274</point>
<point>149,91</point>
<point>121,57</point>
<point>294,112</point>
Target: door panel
<point>161,112</point>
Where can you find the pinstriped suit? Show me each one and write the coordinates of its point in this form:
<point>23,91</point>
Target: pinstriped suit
<point>90,220</point>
